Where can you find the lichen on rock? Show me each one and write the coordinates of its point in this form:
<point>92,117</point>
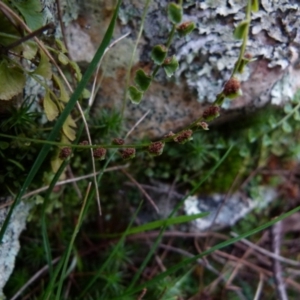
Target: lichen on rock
<point>10,245</point>
<point>206,58</point>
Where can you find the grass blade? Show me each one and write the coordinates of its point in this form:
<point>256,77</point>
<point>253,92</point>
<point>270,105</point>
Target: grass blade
<point>59,123</point>
<point>46,243</point>
<point>159,237</point>
<point>209,251</point>
<point>70,246</point>
<point>160,223</point>
<point>111,256</point>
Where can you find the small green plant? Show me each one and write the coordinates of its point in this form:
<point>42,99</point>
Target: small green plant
<point>90,259</point>
<point>159,55</point>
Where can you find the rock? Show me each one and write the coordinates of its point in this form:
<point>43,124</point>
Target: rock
<point>225,211</point>
<point>206,59</point>
<point>10,245</point>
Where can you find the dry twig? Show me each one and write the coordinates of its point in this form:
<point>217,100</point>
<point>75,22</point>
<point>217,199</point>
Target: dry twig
<point>276,242</point>
<point>142,294</point>
<point>268,253</point>
<point>142,190</point>
<point>259,287</point>
<point>34,278</point>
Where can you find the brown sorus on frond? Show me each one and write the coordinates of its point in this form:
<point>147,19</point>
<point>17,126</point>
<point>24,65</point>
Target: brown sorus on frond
<point>232,86</point>
<point>204,125</point>
<point>184,136</point>
<point>184,26</point>
<point>170,134</point>
<point>167,60</point>
<point>211,112</point>
<point>118,141</point>
<point>128,153</point>
<point>65,152</point>
<point>84,143</point>
<point>248,56</point>
<point>99,153</point>
<point>156,148</point>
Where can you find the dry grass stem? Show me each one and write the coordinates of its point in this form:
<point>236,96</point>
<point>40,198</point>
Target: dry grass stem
<point>142,294</point>
<point>42,46</point>
<point>276,232</point>
<point>94,88</point>
<point>204,264</point>
<point>137,124</point>
<point>34,278</point>
<point>63,182</point>
<point>239,265</point>
<point>291,282</point>
<point>272,255</point>
<point>141,190</point>
<point>259,287</point>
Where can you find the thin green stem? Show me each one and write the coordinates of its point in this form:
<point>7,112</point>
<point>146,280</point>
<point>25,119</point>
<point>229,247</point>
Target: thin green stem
<point>75,232</point>
<point>63,116</point>
<point>112,255</point>
<point>46,242</point>
<point>219,246</point>
<point>169,41</point>
<point>160,235</point>
<point>91,195</point>
<point>132,57</point>
<point>83,147</point>
<point>245,38</point>
<point>193,125</point>
<point>285,118</point>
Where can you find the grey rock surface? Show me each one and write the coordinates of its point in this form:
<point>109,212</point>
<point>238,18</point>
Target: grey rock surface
<point>10,245</point>
<point>225,211</point>
<point>206,58</point>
